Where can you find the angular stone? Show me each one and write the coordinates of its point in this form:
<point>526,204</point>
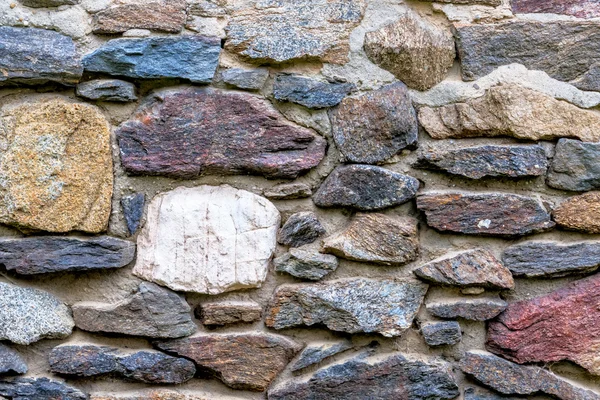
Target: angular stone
<point>45,254</point>
<point>252,79</point>
<point>308,92</point>
<point>39,389</point>
<point>28,315</point>
<point>493,3</point>
<point>300,229</point>
<point>191,57</point>
<point>508,378</point>
<point>350,305</point>
<point>315,354</point>
<point>475,310</point>
<point>376,238</point>
<point>48,3</point>
<point>11,362</point>
<point>415,50</point>
<point>237,133</point>
<point>224,238</point>
<point>288,191</point>
<point>486,214</point>
<point>469,268</point>
<point>107,90</point>
<point>394,377</point>
<point>551,259</point>
<point>82,360</point>
<point>162,394</point>
<point>576,8</point>
<point>152,311</point>
<point>53,58</point>
<point>441,333</point>
<point>248,361</point>
<point>306,264</point>
<point>228,312</point>
<point>163,16</point>
<point>65,149</point>
<point>574,166</point>
<point>486,161</point>
<point>156,367</point>
<point>375,126</point>
<point>365,187</point>
<point>511,110</point>
<point>589,80</point>
<point>558,326</point>
<point>293,30</point>
<point>476,393</point>
<point>579,213</point>
<point>133,209</point>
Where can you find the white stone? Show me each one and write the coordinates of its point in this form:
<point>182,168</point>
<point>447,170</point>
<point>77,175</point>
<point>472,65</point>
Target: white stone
<point>207,239</point>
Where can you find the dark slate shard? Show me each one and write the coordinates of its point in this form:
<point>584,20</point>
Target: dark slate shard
<point>190,57</point>
<point>365,187</point>
<point>309,92</point>
<point>45,254</point>
<point>39,389</point>
<point>575,8</point>
<point>48,3</point>
<point>133,209</point>
<point>288,191</point>
<point>236,133</point>
<point>83,361</point>
<point>306,264</point>
<point>475,310</point>
<point>315,354</point>
<point>107,90</point>
<point>11,362</point>
<point>486,161</point>
<point>300,229</point>
<point>375,126</point>
<point>52,58</point>
<point>575,166</point>
<point>396,377</point>
<point>156,367</point>
<point>441,333</point>
<point>251,79</point>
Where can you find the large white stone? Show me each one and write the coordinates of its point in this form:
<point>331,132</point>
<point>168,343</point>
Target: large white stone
<point>207,239</point>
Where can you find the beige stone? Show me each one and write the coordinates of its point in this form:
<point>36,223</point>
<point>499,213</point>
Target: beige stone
<point>580,213</point>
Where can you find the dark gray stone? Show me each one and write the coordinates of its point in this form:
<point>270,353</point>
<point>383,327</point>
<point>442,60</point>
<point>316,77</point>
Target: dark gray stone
<point>187,57</point>
<point>365,187</point>
<point>251,79</point>
<point>575,166</point>
<point>133,209</point>
<point>300,229</point>
<point>83,361</point>
<point>441,333</point>
<point>52,58</point>
<point>306,264</point>
<point>315,354</point>
<point>308,92</point>
<point>155,367</point>
<point>11,362</point>
<point>48,3</point>
<point>107,90</point>
<point>39,389</point>
<point>590,80</point>
<point>475,310</point>
<point>288,191</point>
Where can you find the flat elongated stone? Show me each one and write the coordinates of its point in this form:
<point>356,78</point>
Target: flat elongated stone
<point>151,311</point>
<point>315,354</point>
<point>300,229</point>
<point>191,57</point>
<point>576,8</point>
<point>44,254</point>
<point>579,213</point>
<point>252,79</point>
<point>53,58</point>
<point>478,268</point>
<point>247,361</point>
<point>237,133</point>
<point>489,214</point>
<point>163,394</point>
<point>396,376</point>
<point>477,393</point>
<point>229,237</point>
<point>306,264</point>
<point>511,110</point>
<point>82,360</point>
<point>441,333</point>
<point>48,3</point>
<point>308,92</point>
<point>228,312</point>
<point>107,90</point>
<point>486,161</point>
<point>65,149</point>
<point>351,305</point>
<point>375,126</point>
<point>11,362</point>
<point>133,209</point>
<point>475,310</point>
<point>376,238</point>
<point>39,389</point>
<point>156,367</point>
<point>164,16</point>
<point>574,166</point>
<point>365,187</point>
<point>288,191</point>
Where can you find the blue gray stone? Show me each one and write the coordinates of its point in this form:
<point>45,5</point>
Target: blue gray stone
<point>11,362</point>
<point>480,309</point>
<point>575,166</point>
<point>315,354</point>
<point>300,229</point>
<point>107,90</point>
<point>251,79</point>
<point>308,92</point>
<point>133,209</point>
<point>39,389</point>
<point>306,264</point>
<point>441,333</point>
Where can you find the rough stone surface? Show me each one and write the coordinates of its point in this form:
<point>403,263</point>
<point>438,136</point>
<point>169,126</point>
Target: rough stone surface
<point>44,254</point>
<point>477,393</point>
<point>306,264</point>
<point>107,90</point>
<point>252,79</point>
<point>28,315</point>
<point>39,389</point>
<point>237,133</point>
<point>240,360</point>
<point>511,110</point>
<point>376,238</point>
<point>374,126</point>
<point>53,58</point>
<point>373,378</point>
<point>349,305</point>
<point>489,214</point>
<point>289,191</point>
<point>315,354</point>
<point>190,57</point>
<point>415,50</point>
<point>576,8</point>
<point>441,333</point>
<point>590,80</point>
<point>365,187</point>
<point>469,268</point>
<point>579,213</point>
<point>151,311</point>
<point>163,16</point>
<point>133,210</point>
<point>228,312</point>
<point>65,148</point>
<point>82,360</point>
<point>486,161</point>
<point>574,166</point>
<point>11,362</point>
<point>156,367</point>
<point>300,229</point>
<point>163,394</point>
<point>230,235</point>
<point>475,310</point>
<point>48,3</point>
<point>309,92</point>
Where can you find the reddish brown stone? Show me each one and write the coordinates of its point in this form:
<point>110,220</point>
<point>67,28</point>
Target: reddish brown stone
<point>580,213</point>
<point>576,8</point>
<point>165,16</point>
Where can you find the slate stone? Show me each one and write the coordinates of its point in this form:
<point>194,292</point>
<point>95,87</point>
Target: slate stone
<point>39,389</point>
<point>372,127</point>
<point>237,133</point>
<point>107,90</point>
<point>476,393</point>
<point>486,161</point>
<point>133,210</point>
<point>53,58</point>
<point>441,333</point>
<point>28,315</point>
<point>45,254</point>
<point>48,3</point>
<point>300,229</point>
<point>349,305</point>
<point>575,8</point>
<point>471,268</point>
<point>579,213</point>
<point>228,312</point>
<point>247,361</point>
<point>288,191</point>
<point>315,354</point>
<point>151,311</point>
<point>376,238</point>
<point>190,57</point>
<point>590,80</point>
<point>82,360</point>
<point>11,362</point>
<point>305,264</point>
<point>366,188</point>
<point>251,79</point>
<point>163,16</point>
<point>574,166</point>
<point>396,376</point>
<point>485,214</point>
<point>475,310</point>
<point>156,367</point>
<point>309,92</point>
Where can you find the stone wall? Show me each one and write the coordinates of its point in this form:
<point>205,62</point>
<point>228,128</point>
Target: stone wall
<point>299,199</point>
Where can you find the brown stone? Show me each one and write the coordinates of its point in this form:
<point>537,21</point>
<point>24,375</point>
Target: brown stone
<point>164,16</point>
<point>579,213</point>
<point>576,8</point>
<point>471,2</point>
<point>228,312</point>
<point>162,394</point>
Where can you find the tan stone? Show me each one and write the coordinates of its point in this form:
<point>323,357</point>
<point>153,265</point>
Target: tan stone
<point>580,213</point>
<point>56,170</point>
<point>511,110</point>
